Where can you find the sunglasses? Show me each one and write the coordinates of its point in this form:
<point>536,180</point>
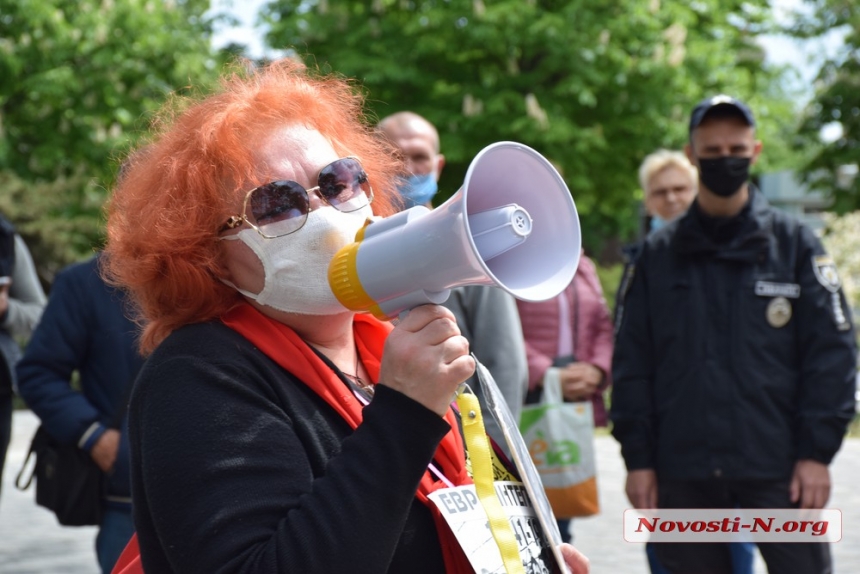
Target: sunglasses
<point>281,207</point>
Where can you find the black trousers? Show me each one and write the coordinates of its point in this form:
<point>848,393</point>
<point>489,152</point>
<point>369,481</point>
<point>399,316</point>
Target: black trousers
<point>714,558</point>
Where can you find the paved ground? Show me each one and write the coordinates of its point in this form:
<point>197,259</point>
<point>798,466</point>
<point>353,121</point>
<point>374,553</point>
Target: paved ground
<point>600,537</point>
<point>31,541</point>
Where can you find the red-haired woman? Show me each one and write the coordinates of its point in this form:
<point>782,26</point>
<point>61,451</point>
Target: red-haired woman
<point>272,430</point>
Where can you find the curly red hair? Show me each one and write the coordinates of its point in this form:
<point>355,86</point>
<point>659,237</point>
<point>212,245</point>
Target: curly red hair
<point>177,190</point>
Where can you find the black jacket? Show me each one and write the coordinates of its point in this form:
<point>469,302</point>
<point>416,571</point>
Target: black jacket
<point>83,329</point>
<point>735,355</point>
<point>237,466</point>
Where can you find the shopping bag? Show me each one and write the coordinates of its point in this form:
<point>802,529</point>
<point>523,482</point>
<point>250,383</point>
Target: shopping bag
<point>560,439</point>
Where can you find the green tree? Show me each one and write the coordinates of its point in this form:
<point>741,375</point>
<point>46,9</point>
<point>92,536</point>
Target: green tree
<point>77,81</point>
<point>594,86</point>
<point>836,102</point>
<point>843,244</point>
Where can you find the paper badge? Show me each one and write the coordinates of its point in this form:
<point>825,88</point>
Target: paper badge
<point>463,512</point>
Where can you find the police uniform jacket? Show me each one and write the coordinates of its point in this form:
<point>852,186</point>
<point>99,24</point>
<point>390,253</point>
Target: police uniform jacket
<point>735,355</point>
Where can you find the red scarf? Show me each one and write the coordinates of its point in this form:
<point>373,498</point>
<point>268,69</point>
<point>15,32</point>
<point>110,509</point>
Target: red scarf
<point>284,346</point>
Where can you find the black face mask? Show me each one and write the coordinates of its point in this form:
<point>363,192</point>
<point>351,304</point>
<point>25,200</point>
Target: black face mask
<point>724,175</point>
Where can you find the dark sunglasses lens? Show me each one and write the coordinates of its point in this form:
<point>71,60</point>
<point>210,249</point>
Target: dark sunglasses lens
<point>278,208</point>
<point>344,184</point>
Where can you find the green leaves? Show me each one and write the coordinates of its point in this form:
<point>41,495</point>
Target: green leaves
<point>77,81</point>
<point>594,86</point>
<point>832,165</point>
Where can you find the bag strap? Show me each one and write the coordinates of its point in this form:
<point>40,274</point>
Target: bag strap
<point>115,423</point>
<point>36,439</point>
<point>552,387</point>
<point>21,473</point>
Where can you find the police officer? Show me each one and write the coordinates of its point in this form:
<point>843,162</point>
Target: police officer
<point>735,358</point>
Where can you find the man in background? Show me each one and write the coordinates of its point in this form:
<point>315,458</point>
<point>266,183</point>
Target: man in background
<point>84,330</point>
<point>487,316</point>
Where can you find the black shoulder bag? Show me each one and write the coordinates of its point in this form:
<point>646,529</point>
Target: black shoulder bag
<point>68,482</point>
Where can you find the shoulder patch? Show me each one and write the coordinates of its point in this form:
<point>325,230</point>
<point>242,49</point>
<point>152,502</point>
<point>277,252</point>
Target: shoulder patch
<point>825,272</point>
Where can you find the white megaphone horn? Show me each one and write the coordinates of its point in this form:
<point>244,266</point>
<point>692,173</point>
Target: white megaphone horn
<point>512,224</point>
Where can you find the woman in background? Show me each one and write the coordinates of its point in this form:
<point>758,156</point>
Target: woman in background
<point>571,332</point>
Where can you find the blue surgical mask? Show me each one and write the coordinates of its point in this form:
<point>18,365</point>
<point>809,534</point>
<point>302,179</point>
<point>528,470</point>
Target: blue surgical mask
<point>657,223</point>
<point>417,189</point>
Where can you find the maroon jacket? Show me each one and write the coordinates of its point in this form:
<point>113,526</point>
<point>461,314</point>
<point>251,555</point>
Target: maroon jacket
<point>593,334</point>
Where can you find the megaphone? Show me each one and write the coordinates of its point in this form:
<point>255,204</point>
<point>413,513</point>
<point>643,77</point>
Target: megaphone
<point>513,224</point>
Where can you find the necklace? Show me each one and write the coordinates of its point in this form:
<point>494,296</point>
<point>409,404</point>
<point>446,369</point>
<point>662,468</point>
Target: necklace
<point>360,384</point>
<point>355,379</point>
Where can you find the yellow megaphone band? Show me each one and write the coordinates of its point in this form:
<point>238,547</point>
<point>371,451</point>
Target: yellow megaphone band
<point>346,285</point>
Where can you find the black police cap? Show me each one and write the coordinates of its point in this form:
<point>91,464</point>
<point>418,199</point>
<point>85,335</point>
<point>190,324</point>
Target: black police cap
<point>704,107</point>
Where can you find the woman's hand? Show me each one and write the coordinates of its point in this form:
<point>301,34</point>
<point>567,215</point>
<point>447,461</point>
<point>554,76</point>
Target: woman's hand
<point>575,560</point>
<point>579,381</point>
<point>426,358</point>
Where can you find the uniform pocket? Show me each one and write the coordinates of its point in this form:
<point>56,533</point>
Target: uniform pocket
<point>765,326</point>
<point>672,325</point>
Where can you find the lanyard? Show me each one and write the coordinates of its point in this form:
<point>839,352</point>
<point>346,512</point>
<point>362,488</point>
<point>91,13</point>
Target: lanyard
<point>478,446</point>
<point>482,474</point>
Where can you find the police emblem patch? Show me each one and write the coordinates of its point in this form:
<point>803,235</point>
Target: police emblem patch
<point>778,312</point>
<point>825,272</point>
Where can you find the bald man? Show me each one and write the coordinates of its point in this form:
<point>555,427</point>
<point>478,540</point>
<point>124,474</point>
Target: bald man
<point>487,316</point>
<point>418,142</point>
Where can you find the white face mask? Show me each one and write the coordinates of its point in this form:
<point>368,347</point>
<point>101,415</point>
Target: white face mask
<point>296,265</point>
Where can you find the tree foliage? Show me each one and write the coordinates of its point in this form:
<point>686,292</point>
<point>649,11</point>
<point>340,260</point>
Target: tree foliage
<point>77,80</point>
<point>593,85</point>
<point>843,244</point>
<point>836,102</point>
<point>56,235</point>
